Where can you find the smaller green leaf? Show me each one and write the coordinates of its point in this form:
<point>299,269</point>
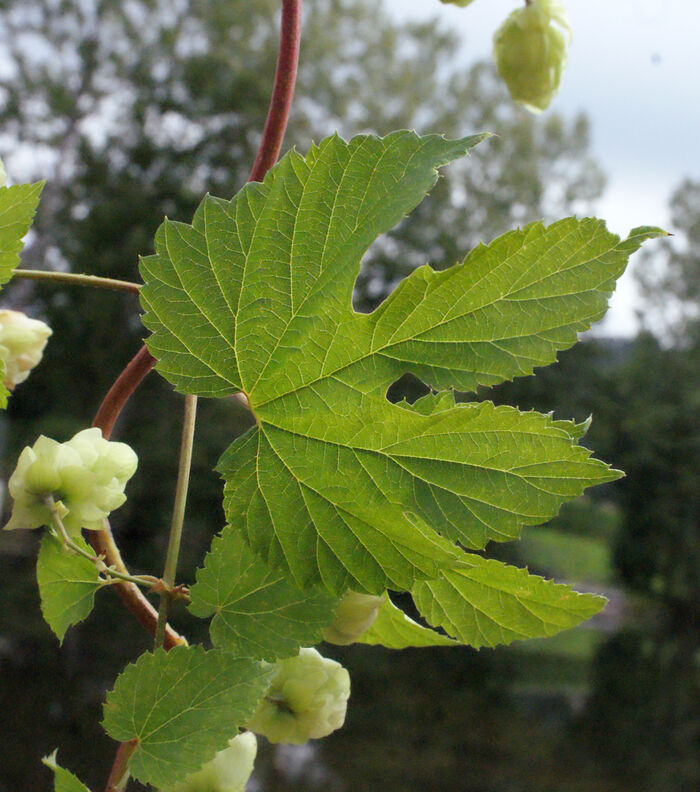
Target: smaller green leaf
<point>393,629</point>
<point>17,207</point>
<point>64,781</point>
<point>485,603</point>
<point>460,3</point>
<point>67,584</point>
<point>182,707</point>
<point>258,613</point>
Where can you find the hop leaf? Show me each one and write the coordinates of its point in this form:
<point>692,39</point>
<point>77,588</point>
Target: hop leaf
<point>67,584</point>
<point>307,699</point>
<point>257,612</point>
<point>86,476</point>
<point>17,206</point>
<point>530,50</point>
<point>334,485</point>
<point>395,630</point>
<point>64,781</point>
<point>485,603</point>
<point>181,707</point>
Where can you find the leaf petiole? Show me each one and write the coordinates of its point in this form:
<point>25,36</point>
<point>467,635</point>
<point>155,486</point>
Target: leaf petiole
<point>111,574</point>
<point>173,552</point>
<point>76,279</point>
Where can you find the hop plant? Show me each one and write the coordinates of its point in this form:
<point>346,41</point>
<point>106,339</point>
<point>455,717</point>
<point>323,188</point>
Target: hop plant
<point>354,615</point>
<point>530,50</point>
<point>85,476</point>
<point>22,340</point>
<point>307,699</point>
<point>228,771</point>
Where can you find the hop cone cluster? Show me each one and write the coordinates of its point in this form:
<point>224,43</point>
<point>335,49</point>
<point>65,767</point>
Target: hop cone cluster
<point>85,476</point>
<point>22,342</point>
<point>354,615</point>
<point>228,771</point>
<point>307,699</point>
<point>530,50</point>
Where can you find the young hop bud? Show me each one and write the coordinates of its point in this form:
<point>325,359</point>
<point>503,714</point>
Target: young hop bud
<point>3,175</point>
<point>85,476</point>
<point>22,342</point>
<point>530,51</point>
<point>228,771</point>
<point>355,614</point>
<point>306,700</point>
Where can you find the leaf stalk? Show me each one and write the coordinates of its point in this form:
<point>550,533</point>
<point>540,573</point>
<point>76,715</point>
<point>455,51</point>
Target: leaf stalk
<point>119,775</point>
<point>178,518</point>
<point>111,574</point>
<point>77,279</point>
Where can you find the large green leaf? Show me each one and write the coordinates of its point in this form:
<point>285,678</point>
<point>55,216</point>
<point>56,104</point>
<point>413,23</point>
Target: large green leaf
<point>67,584</point>
<point>393,629</point>
<point>485,603</point>
<point>17,206</point>
<point>258,613</point>
<point>183,707</point>
<point>334,483</point>
<point>64,781</point>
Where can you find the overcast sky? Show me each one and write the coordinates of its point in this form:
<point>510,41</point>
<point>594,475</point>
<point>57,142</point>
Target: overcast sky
<point>634,69</point>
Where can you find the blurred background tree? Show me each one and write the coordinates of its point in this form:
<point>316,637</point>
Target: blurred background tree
<point>133,110</point>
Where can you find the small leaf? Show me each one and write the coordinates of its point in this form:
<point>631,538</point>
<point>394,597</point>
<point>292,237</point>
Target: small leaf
<point>67,584</point>
<point>17,207</point>
<point>258,613</point>
<point>393,629</point>
<point>182,707</point>
<point>64,781</point>
<point>485,603</point>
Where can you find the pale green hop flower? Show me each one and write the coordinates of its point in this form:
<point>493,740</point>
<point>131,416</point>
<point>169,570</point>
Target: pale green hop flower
<point>354,615</point>
<point>86,476</point>
<point>228,771</point>
<point>530,50</point>
<point>307,699</point>
<point>22,342</point>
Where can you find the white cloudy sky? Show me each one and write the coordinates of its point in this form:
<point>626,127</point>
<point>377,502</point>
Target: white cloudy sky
<point>634,68</point>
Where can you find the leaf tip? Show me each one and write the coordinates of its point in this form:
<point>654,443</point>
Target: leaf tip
<point>50,760</point>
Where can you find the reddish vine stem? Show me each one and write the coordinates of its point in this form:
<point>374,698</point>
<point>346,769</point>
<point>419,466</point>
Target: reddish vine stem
<point>283,92</point>
<point>132,376</point>
<point>103,541</point>
<point>119,768</point>
<point>125,384</point>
